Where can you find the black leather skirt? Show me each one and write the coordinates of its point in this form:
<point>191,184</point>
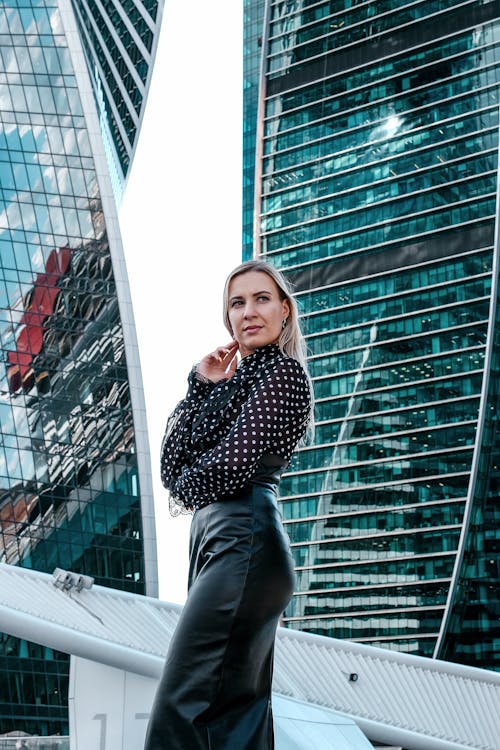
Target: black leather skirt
<point>215,692</point>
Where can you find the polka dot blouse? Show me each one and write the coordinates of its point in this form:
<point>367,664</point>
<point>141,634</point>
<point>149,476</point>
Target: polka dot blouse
<point>218,434</point>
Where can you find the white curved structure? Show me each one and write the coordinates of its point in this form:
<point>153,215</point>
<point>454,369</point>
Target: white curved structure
<point>408,701</point>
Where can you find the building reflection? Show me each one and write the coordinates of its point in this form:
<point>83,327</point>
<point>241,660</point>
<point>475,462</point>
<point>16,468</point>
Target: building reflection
<point>66,416</point>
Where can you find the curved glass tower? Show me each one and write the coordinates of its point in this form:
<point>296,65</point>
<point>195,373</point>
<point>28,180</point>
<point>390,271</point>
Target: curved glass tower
<point>75,484</point>
<point>376,183</point>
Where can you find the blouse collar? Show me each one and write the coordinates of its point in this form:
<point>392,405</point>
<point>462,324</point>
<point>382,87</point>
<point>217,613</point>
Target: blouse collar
<point>261,354</point>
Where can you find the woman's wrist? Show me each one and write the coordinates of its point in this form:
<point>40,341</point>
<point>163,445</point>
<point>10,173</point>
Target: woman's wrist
<point>201,378</point>
<point>198,388</point>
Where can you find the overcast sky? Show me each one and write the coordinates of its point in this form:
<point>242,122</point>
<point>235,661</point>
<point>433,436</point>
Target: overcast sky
<point>181,223</point>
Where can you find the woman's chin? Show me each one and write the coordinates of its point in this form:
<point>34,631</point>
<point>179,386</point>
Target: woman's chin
<point>251,343</point>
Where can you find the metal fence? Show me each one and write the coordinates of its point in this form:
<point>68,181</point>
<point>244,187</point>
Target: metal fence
<point>34,743</point>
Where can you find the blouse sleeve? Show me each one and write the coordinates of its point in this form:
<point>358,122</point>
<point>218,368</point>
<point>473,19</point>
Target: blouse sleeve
<point>272,420</point>
<point>175,447</point>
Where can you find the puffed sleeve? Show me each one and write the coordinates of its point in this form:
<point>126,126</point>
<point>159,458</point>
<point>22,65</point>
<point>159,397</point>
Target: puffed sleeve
<point>272,420</point>
<point>175,446</point>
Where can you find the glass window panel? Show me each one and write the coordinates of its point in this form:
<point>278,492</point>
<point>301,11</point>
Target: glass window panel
<point>55,140</point>
<point>42,218</point>
<point>27,139</point>
<point>71,221</point>
<point>74,103</point>
<point>46,95</point>
<point>27,19</point>
<point>20,177</point>
<point>8,55</point>
<point>14,21</point>
<point>78,182</point>
<point>5,99</point>
<point>41,139</point>
<point>63,180</point>
<point>49,179</point>
<point>28,216</point>
<point>55,21</point>
<point>57,220</point>
<point>37,61</point>
<point>69,140</point>
<point>13,216</point>
<point>7,260</point>
<point>61,99</point>
<point>42,20</point>
<point>52,61</point>
<point>6,175</point>
<point>34,177</point>
<point>86,224</point>
<point>33,99</point>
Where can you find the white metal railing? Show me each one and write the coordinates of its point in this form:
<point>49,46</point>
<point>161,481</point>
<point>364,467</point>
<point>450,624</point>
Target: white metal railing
<point>34,743</point>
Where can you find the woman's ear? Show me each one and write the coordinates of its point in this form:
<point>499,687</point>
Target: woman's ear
<point>285,308</point>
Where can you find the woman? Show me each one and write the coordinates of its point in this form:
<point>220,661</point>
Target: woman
<point>225,447</point>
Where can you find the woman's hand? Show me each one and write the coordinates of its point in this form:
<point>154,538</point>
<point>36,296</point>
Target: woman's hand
<point>220,364</point>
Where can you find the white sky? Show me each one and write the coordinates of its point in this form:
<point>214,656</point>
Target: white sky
<point>181,224</point>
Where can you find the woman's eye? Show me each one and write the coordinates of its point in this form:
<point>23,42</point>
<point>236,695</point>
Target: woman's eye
<point>236,303</point>
<point>263,298</point>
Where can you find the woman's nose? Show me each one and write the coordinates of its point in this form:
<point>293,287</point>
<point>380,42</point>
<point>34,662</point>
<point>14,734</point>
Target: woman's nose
<point>249,310</point>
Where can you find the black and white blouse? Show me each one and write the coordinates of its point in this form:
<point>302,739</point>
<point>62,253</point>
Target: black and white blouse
<point>218,433</point>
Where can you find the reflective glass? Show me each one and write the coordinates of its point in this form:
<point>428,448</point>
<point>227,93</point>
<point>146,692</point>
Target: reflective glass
<point>402,443</point>
<point>456,461</point>
<point>397,421</point>
<point>388,137</point>
<point>119,53</point>
<point>377,332</point>
<point>69,483</point>
<point>401,348</point>
<point>413,622</point>
<point>346,237</point>
<point>400,568</point>
<point>336,36</point>
<point>404,372</point>
<point>369,498</point>
<point>393,176</point>
<point>253,19</point>
<point>396,519</point>
<point>377,198</point>
<point>409,280</point>
<point>302,104</point>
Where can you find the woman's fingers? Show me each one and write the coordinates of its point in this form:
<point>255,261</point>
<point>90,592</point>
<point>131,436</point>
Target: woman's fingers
<point>221,363</point>
<point>229,360</point>
<point>228,352</point>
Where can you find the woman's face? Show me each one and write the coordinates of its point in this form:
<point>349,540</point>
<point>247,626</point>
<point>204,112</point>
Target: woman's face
<point>256,312</point>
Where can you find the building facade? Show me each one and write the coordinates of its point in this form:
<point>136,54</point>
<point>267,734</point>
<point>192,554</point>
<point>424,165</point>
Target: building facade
<point>75,484</point>
<point>253,22</point>
<point>375,191</point>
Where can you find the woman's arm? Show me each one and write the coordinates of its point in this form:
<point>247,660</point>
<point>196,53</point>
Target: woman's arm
<point>272,420</point>
<point>175,447</point>
<point>175,451</point>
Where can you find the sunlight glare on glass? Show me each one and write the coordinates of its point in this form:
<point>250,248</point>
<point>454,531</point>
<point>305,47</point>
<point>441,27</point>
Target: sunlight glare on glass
<point>392,125</point>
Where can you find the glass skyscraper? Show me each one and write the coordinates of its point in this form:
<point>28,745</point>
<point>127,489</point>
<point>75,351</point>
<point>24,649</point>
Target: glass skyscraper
<point>375,191</point>
<point>253,15</point>
<point>75,484</point>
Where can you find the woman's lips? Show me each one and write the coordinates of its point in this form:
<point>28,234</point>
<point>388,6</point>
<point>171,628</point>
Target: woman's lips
<point>252,329</point>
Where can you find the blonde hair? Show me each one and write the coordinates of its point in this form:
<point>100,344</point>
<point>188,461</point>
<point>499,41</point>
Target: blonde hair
<point>291,340</point>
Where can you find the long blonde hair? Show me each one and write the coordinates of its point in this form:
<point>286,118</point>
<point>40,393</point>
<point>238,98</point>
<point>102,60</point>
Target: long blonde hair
<point>291,340</point>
